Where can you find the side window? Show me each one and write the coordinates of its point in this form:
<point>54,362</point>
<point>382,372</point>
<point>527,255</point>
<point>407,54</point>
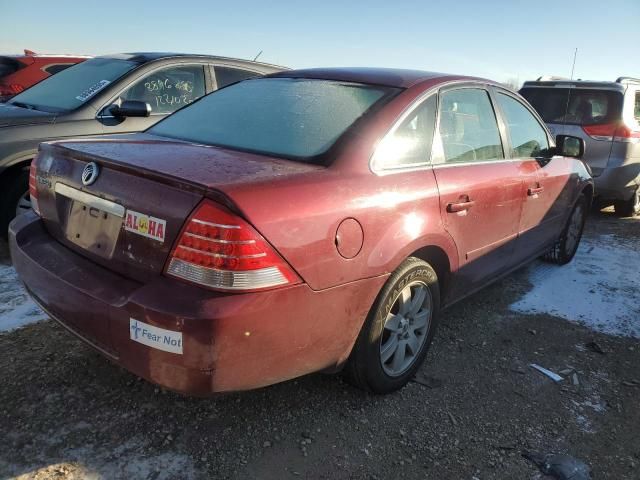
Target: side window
<point>168,89</point>
<point>528,138</point>
<point>53,69</point>
<point>636,107</point>
<point>227,75</point>
<point>410,143</point>
<point>468,129</point>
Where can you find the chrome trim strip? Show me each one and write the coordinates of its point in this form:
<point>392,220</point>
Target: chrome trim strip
<point>90,200</point>
<point>220,255</point>
<point>219,225</point>
<point>217,240</point>
<point>476,162</point>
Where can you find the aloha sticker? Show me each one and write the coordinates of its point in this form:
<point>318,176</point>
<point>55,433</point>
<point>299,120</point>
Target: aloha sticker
<point>145,225</point>
<point>92,90</point>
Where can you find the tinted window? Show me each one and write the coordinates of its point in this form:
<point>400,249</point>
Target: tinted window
<point>292,118</point>
<point>74,86</point>
<point>528,138</point>
<point>468,128</point>
<point>411,142</point>
<point>227,75</point>
<point>168,89</point>
<point>8,66</point>
<point>53,69</point>
<point>575,106</point>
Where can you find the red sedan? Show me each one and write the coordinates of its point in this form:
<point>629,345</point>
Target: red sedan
<point>309,220</point>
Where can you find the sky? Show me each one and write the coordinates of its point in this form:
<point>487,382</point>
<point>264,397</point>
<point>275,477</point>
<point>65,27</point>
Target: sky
<point>501,40</point>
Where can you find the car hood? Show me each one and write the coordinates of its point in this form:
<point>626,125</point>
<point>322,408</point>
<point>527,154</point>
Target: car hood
<point>11,116</point>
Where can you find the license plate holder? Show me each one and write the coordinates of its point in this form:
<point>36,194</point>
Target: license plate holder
<point>93,229</point>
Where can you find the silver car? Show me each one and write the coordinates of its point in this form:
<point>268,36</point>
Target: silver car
<point>607,116</point>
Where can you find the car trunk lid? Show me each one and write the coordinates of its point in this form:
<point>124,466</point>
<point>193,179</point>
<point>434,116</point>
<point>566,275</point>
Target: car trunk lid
<point>128,219</point>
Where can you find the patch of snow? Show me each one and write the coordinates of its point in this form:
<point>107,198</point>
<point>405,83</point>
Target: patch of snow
<point>16,308</point>
<point>599,289</point>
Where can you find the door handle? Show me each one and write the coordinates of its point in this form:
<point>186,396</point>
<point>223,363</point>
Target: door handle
<point>533,191</point>
<point>461,206</point>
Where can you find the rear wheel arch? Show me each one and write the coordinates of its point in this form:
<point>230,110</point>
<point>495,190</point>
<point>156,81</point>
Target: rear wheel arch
<point>439,260</point>
<point>13,185</point>
<point>587,191</point>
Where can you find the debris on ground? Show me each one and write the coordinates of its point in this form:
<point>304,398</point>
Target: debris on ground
<point>552,375</point>
<point>594,347</point>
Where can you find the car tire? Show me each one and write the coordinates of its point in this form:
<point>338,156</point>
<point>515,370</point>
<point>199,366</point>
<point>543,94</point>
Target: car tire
<point>396,335</point>
<point>628,208</point>
<point>567,245</point>
<point>13,189</point>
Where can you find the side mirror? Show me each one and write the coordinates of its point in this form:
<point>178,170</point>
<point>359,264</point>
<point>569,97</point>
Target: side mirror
<point>569,146</point>
<point>131,108</point>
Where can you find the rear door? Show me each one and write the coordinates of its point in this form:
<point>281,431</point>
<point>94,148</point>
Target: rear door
<point>480,190</point>
<point>166,89</point>
<point>546,189</point>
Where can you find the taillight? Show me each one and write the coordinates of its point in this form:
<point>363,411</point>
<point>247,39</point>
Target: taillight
<point>601,132</point>
<point>618,132</point>
<point>625,133</point>
<point>33,191</point>
<point>220,250</point>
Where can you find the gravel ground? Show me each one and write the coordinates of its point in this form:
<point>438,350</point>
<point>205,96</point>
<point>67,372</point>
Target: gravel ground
<point>475,406</point>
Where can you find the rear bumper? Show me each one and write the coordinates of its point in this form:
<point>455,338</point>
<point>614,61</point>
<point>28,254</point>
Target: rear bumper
<point>230,341</point>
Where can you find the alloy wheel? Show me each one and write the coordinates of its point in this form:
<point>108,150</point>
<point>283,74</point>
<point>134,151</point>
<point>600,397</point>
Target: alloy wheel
<point>574,229</point>
<point>405,329</point>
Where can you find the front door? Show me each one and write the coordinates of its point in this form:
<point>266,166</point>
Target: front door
<point>480,191</point>
<point>165,89</point>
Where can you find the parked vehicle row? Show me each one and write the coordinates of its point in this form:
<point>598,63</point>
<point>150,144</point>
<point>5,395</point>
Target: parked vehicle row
<point>305,220</point>
<point>112,94</point>
<point>19,72</point>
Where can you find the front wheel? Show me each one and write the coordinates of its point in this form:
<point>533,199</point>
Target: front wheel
<point>398,330</point>
<point>628,208</point>
<point>567,245</point>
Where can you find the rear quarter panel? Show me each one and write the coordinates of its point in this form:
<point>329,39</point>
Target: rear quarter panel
<point>398,213</point>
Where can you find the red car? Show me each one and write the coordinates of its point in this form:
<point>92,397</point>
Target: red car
<point>19,72</point>
<point>308,220</point>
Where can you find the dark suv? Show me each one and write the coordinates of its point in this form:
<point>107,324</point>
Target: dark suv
<point>607,116</point>
<point>121,93</point>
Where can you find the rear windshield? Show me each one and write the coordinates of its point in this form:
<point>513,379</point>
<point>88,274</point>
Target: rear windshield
<point>74,86</point>
<point>574,106</point>
<point>291,118</point>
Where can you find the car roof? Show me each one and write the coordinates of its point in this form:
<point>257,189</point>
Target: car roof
<point>620,84</point>
<point>145,57</point>
<point>391,77</point>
